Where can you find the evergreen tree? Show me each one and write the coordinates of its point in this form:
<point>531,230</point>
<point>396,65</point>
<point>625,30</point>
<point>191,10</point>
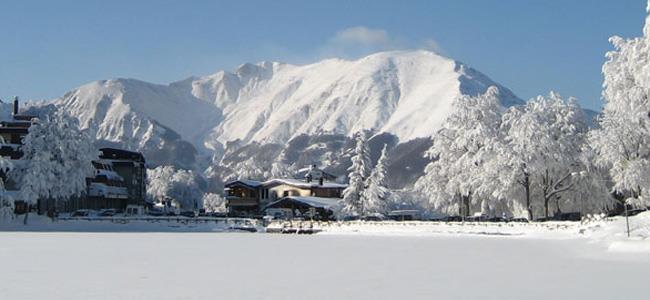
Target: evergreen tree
<point>359,172</point>
<point>375,196</point>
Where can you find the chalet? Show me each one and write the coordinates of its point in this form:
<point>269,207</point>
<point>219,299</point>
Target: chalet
<point>249,197</point>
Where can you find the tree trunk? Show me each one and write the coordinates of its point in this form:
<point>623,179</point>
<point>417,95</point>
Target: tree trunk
<point>463,208</point>
<point>529,207</point>
<point>546,201</point>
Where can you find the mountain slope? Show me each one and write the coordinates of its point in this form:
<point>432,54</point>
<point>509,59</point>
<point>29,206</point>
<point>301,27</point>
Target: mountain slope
<point>406,93</point>
<point>269,117</point>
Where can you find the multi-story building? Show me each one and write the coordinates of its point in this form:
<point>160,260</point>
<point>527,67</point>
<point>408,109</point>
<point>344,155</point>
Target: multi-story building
<point>119,179</point>
<point>313,191</point>
<point>132,168</point>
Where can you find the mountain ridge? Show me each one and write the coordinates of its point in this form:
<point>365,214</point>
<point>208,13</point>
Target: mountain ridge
<point>401,95</point>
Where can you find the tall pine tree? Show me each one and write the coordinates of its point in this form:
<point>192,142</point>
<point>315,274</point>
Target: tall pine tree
<point>359,172</point>
<point>375,196</point>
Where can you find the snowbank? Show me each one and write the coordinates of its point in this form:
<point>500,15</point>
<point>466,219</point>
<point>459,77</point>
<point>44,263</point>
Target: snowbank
<point>613,232</point>
<point>131,224</point>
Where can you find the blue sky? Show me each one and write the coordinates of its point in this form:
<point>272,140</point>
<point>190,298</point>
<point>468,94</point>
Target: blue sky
<point>530,46</point>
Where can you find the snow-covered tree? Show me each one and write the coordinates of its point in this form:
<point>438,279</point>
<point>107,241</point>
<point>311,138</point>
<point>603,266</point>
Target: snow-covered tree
<point>179,186</point>
<point>460,150</point>
<point>6,201</point>
<point>214,203</point>
<point>56,159</point>
<point>622,142</point>
<point>541,152</point>
<point>376,195</point>
<point>359,172</point>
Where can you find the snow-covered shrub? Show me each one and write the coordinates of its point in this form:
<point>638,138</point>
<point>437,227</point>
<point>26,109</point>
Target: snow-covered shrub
<point>166,183</point>
<point>214,203</point>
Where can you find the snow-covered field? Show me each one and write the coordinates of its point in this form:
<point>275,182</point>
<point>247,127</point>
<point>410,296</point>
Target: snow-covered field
<point>354,260</point>
<point>40,265</point>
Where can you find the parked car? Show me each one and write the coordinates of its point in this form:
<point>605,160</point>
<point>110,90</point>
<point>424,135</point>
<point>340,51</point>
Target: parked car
<point>107,212</point>
<point>188,213</point>
<point>351,218</point>
<point>218,214</point>
<point>134,210</point>
<point>156,212</point>
<point>405,215</point>
<point>81,213</point>
<point>478,217</point>
<point>496,219</point>
<point>374,217</point>
<point>518,220</point>
<point>453,219</point>
<point>570,216</point>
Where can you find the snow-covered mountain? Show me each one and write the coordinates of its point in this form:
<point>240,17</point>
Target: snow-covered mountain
<point>403,94</point>
<point>406,93</point>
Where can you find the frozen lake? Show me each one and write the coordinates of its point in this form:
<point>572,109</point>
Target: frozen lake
<point>265,266</point>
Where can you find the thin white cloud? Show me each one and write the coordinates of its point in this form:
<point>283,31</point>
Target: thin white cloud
<point>432,45</point>
<point>361,35</point>
<point>357,41</point>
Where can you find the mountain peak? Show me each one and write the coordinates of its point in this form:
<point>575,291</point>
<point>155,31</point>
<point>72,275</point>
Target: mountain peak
<point>406,93</point>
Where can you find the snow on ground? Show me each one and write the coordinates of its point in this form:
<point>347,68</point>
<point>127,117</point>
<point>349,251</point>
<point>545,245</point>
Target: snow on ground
<point>272,266</point>
<point>613,232</point>
<point>419,228</point>
<point>354,260</point>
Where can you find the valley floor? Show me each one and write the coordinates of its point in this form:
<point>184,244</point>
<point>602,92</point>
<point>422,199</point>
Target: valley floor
<point>170,265</point>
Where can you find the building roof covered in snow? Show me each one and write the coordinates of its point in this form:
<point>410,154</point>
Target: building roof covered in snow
<point>316,202</point>
<point>303,184</point>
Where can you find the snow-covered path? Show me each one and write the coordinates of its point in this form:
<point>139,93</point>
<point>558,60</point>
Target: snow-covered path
<point>265,266</point>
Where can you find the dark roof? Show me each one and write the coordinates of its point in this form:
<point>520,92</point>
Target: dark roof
<point>112,153</point>
<point>245,182</point>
